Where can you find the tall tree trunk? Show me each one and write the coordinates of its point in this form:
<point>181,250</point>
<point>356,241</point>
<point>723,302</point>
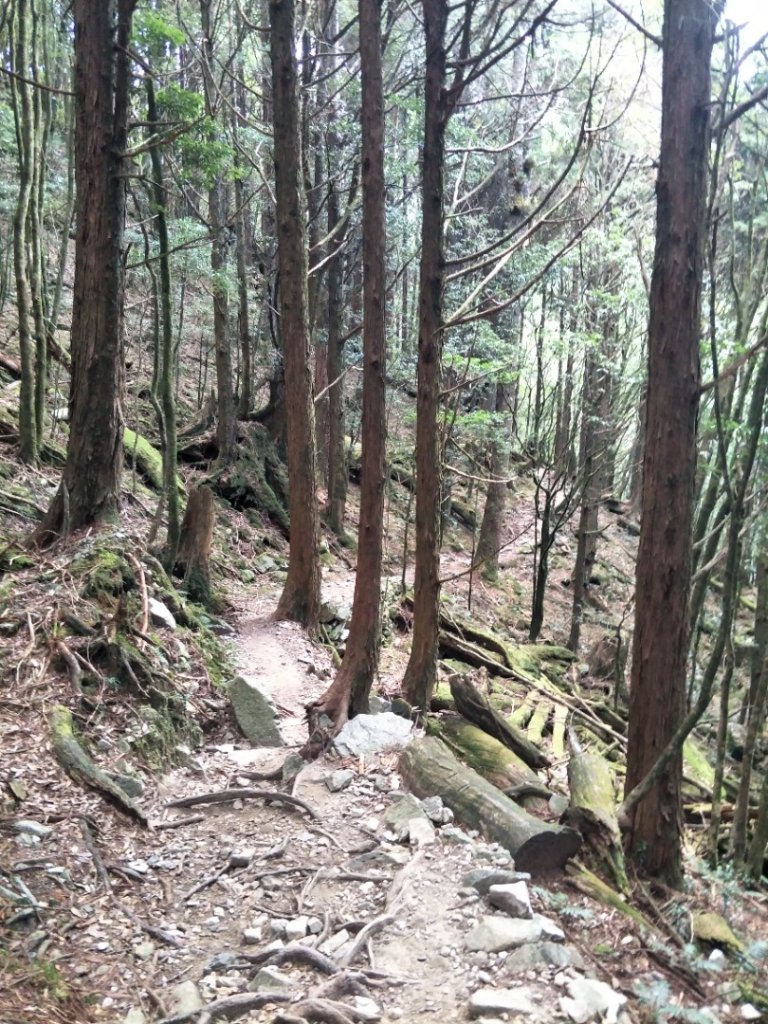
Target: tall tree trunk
<point>337,463</point>
<point>352,686</point>
<point>167,360</point>
<point>300,599</point>
<point>21,92</point>
<point>592,465</point>
<point>420,673</point>
<point>226,431</point>
<point>91,481</point>
<point>657,693</point>
<point>489,539</point>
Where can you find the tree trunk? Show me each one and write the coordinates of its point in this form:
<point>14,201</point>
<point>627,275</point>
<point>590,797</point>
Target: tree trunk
<point>90,486</point>
<point>217,224</point>
<point>420,674</point>
<point>489,539</point>
<point>21,92</point>
<point>300,599</point>
<point>167,356</point>
<point>348,695</point>
<point>663,570</point>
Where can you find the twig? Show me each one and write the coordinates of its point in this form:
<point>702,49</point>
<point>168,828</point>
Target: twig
<point>190,819</point>
<point>227,795</point>
<point>98,863</point>
<point>75,673</point>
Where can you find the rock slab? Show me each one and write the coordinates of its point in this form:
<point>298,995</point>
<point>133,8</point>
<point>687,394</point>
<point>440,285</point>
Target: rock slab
<point>255,714</point>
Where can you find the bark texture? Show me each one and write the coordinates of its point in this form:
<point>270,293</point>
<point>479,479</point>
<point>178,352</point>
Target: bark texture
<point>420,673</point>
<point>300,599</point>
<point>663,570</point>
<point>348,695</point>
<point>91,480</point>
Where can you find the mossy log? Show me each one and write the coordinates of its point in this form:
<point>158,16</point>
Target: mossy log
<point>592,812</point>
<point>489,758</point>
<point>78,765</point>
<point>474,707</point>
<point>538,720</point>
<point>429,768</point>
<point>521,716</point>
<point>147,459</point>
<point>588,883</point>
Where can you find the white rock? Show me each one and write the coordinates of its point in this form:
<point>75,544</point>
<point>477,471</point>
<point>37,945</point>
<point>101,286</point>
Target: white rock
<point>160,614</point>
<point>251,936</point>
<point>496,932</point>
<point>599,998</point>
<point>514,899</point>
<point>367,1009</point>
<point>296,929</point>
<point>500,1000</point>
<point>365,734</point>
<point>334,942</point>
<point>749,1012</point>
<point>575,1010</point>
<point>549,930</point>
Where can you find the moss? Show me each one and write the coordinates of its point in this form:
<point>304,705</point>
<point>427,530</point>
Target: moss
<point>149,461</point>
<point>216,658</point>
<point>105,572</point>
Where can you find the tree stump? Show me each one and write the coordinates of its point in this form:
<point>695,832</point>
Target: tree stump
<point>195,544</point>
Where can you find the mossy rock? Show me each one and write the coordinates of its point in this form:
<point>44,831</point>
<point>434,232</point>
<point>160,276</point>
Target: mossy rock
<point>105,572</point>
<point>148,460</point>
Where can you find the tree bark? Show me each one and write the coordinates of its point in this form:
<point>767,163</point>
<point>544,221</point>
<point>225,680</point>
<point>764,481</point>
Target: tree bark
<point>348,695</point>
<point>90,485</point>
<point>420,673</point>
<point>663,570</point>
<point>300,599</point>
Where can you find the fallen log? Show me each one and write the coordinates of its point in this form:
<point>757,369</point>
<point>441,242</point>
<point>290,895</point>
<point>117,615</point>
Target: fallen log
<point>429,768</point>
<point>473,706</point>
<point>489,758</point>
<point>592,813</point>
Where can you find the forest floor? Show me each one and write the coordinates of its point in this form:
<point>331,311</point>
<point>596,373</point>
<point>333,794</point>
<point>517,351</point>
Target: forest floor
<point>135,925</point>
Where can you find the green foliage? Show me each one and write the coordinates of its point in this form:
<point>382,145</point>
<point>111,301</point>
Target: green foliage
<point>659,998</point>
<point>151,31</point>
<point>177,104</point>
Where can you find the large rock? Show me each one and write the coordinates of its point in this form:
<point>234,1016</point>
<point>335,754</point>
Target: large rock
<point>492,934</point>
<point>501,1000</point>
<point>366,734</point>
<point>255,714</point>
<point>538,955</point>
<point>589,999</point>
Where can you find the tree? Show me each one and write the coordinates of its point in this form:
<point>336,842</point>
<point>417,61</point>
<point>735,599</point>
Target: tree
<point>91,480</point>
<point>300,599</point>
<point>420,673</point>
<point>657,693</point>
<point>350,690</point>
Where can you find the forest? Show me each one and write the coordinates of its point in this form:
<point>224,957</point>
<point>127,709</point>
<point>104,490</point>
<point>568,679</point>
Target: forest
<point>437,332</point>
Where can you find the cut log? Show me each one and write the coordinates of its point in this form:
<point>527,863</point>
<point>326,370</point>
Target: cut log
<point>592,812</point>
<point>473,706</point>
<point>429,769</point>
<point>489,758</point>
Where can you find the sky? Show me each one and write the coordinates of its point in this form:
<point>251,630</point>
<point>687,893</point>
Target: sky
<point>755,12</point>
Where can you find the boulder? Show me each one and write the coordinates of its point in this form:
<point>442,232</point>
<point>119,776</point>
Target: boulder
<point>255,714</point>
